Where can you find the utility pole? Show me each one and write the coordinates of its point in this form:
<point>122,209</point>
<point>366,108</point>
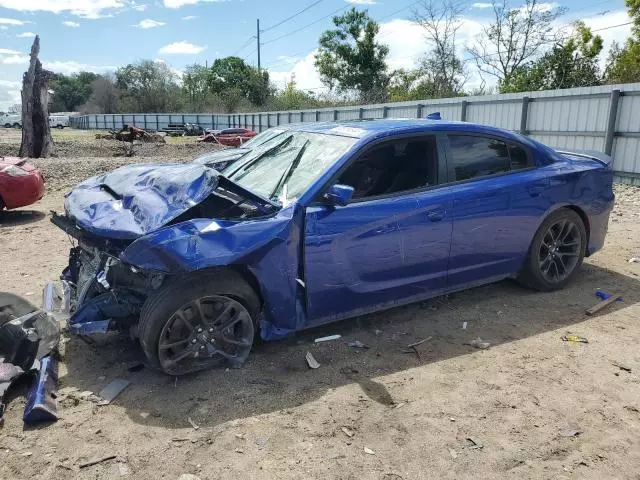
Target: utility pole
<point>258,37</point>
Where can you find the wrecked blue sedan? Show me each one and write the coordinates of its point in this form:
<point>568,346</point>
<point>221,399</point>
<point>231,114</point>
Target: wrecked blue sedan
<point>322,223</point>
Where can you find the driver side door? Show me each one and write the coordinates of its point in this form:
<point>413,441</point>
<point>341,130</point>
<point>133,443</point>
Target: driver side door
<point>388,246</point>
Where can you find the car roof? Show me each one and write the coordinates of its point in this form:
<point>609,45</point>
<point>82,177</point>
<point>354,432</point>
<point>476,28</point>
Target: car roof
<point>364,129</point>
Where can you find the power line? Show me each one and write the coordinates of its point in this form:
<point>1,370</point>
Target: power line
<point>293,16</point>
<point>307,25</point>
<point>244,45</point>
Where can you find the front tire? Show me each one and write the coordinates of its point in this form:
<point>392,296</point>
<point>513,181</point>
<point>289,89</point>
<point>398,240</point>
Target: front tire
<point>556,252</point>
<point>199,321</point>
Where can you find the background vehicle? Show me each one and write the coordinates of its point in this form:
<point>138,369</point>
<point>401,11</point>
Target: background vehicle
<point>324,222</point>
<point>58,121</point>
<point>221,159</point>
<point>21,183</point>
<point>11,121</point>
<point>230,137</point>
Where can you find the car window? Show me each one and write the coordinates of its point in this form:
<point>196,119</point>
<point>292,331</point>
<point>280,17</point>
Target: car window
<point>477,156</point>
<point>393,167</point>
<point>263,137</point>
<point>519,157</point>
<point>283,168</point>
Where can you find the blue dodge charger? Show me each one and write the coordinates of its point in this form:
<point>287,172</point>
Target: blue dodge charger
<point>320,223</point>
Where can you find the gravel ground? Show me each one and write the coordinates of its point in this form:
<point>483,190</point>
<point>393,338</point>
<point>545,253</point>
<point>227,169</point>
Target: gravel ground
<point>533,405</point>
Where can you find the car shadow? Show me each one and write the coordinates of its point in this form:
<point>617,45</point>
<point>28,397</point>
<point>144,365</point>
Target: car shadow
<point>276,376</point>
<point>15,218</point>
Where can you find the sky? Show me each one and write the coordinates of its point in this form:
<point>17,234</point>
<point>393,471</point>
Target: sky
<point>102,35</point>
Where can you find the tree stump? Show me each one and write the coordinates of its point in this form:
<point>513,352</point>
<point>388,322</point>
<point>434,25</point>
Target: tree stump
<point>36,134</point>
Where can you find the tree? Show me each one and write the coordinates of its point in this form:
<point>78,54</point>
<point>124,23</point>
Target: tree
<point>195,86</point>
<point>350,58</point>
<point>291,98</point>
<point>71,91</point>
<point>443,69</point>
<point>515,37</point>
<point>104,96</point>
<point>14,109</point>
<point>148,86</point>
<point>573,63</point>
<point>233,73</point>
<point>623,63</point>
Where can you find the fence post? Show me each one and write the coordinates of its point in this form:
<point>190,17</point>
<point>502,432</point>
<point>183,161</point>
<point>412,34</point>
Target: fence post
<point>523,115</point>
<point>419,110</point>
<point>361,113</point>
<point>335,115</point>
<point>463,111</point>
<point>385,111</point>
<point>289,117</point>
<point>611,121</point>
<point>259,122</point>
<point>302,117</point>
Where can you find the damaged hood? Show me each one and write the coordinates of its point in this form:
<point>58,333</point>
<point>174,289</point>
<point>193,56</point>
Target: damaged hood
<point>135,200</point>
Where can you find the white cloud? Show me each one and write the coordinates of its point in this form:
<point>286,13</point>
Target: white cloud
<point>138,7</point>
<point>14,60</point>
<point>182,48</point>
<point>190,17</point>
<point>71,24</point>
<point>148,23</point>
<point>68,67</point>
<point>4,27</point>
<point>361,2</point>
<point>83,8</point>
<point>482,5</point>
<point>26,35</point>
<point>182,3</point>
<point>7,51</point>
<point>9,94</point>
<point>12,21</point>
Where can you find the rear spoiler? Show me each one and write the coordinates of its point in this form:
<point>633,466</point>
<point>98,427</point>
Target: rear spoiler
<point>600,157</point>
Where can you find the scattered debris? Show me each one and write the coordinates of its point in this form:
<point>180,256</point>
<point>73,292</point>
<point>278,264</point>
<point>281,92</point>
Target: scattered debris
<point>240,436</point>
<point>632,408</point>
<point>312,362</point>
<point>634,260</point>
<point>621,366</point>
<point>348,432</point>
<point>239,450</point>
<point>574,339</point>
<point>97,461</point>
<point>479,343</point>
<point>475,443</point>
<point>607,299</point>
<point>111,391</point>
<point>401,404</point>
<point>357,344</point>
<point>464,325</point>
<point>327,339</point>
<point>261,442</point>
<point>569,433</point>
<point>193,424</point>
<point>453,453</point>
<point>41,400</point>
<point>188,476</point>
<point>412,345</point>
<point>368,451</point>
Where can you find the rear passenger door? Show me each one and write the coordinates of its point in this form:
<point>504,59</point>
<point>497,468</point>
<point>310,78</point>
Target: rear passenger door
<point>498,200</point>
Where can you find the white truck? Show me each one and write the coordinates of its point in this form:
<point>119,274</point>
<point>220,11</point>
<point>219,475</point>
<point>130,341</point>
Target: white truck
<point>11,121</point>
<point>58,121</point>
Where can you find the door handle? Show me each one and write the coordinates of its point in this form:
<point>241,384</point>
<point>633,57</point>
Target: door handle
<point>436,215</point>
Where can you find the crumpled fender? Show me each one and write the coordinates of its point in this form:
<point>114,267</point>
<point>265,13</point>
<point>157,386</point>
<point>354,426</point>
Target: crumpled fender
<point>202,243</point>
<point>270,248</point>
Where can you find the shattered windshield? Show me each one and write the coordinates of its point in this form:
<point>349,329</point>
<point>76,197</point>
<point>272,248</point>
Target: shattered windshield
<point>263,137</point>
<point>283,168</point>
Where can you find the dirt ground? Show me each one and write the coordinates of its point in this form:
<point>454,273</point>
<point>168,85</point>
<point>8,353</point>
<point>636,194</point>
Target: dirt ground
<point>535,406</point>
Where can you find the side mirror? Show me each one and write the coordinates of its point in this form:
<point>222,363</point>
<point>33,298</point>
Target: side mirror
<point>339,194</point>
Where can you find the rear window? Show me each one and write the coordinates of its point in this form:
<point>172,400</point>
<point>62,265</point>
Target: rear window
<point>478,157</point>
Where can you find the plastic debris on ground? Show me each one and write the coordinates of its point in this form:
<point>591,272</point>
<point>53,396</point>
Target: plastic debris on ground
<point>348,432</point>
<point>622,366</point>
<point>479,343</point>
<point>569,433</point>
<point>602,295</point>
<point>368,451</point>
<point>464,325</point>
<point>327,339</point>
<point>357,344</point>
<point>634,260</point>
<point>111,391</point>
<point>574,339</point>
<point>312,362</point>
<point>475,443</point>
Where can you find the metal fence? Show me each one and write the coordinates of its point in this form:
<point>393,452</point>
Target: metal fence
<point>605,118</point>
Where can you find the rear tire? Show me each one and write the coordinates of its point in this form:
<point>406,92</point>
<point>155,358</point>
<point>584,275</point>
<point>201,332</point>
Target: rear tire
<point>199,321</point>
<point>556,252</point>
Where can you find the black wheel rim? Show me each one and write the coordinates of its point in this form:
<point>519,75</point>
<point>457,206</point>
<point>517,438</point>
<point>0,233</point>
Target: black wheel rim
<point>559,251</point>
<point>204,333</point>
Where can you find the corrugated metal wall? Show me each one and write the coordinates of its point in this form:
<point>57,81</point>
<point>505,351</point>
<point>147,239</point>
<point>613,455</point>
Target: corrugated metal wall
<point>577,118</point>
